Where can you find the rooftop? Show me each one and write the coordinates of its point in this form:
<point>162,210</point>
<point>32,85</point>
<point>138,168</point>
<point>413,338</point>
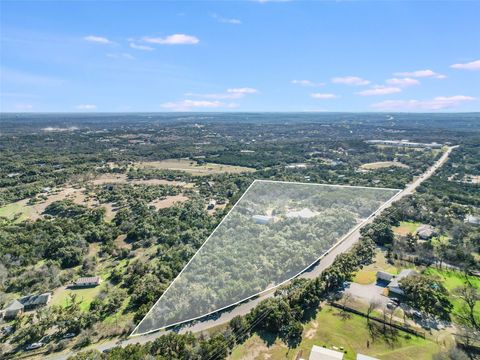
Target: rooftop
<point>87,280</point>
<point>321,353</point>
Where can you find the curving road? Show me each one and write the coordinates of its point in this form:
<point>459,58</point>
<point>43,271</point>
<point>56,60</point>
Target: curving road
<point>343,245</point>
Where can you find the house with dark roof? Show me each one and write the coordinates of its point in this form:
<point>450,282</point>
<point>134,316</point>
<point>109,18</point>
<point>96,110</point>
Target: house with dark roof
<point>33,301</point>
<point>383,276</point>
<point>393,281</point>
<point>28,302</point>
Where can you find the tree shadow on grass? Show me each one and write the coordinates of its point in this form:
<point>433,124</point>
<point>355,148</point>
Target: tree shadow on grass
<point>310,314</point>
<point>268,337</point>
<point>386,333</point>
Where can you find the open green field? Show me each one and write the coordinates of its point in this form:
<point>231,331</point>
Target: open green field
<point>451,280</point>
<point>192,167</point>
<point>60,296</point>
<point>368,274</point>
<point>406,227</point>
<point>18,208</point>
<point>330,329</point>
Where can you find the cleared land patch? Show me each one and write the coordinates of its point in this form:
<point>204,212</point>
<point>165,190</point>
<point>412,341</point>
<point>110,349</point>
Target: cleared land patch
<point>192,167</point>
<point>168,201</point>
<point>25,211</point>
<point>274,232</point>
<point>123,179</point>
<point>406,227</point>
<point>368,274</point>
<point>382,164</point>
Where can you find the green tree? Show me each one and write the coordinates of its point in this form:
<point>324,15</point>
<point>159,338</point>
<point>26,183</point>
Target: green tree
<point>427,294</point>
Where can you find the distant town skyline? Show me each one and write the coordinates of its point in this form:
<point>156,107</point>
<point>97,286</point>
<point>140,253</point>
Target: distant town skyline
<point>145,56</point>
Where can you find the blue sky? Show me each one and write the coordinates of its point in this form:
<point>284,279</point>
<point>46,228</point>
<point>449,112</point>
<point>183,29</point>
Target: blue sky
<point>239,56</point>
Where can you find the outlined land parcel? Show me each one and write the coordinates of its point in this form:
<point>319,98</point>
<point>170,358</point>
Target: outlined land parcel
<point>274,232</point>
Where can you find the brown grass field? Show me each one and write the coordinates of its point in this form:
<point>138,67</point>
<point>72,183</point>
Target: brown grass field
<point>382,164</point>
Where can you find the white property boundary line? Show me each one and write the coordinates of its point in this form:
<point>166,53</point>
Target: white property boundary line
<point>388,202</point>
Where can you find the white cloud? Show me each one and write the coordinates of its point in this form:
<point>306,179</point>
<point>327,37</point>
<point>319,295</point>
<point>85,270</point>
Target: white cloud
<point>225,20</point>
<point>379,90</point>
<point>243,91</point>
<point>175,39</point>
<point>97,39</point>
<point>473,65</point>
<point>307,83</point>
<point>188,105</point>
<point>403,82</point>
<point>437,103</point>
<point>421,74</point>
<point>323,96</point>
<point>350,80</point>
<point>232,93</point>
<point>141,47</point>
<point>120,56</point>
<point>86,107</point>
<point>24,107</point>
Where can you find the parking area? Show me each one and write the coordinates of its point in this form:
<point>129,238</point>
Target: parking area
<point>368,293</point>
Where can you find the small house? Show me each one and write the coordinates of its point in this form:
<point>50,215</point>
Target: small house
<point>425,232</point>
<point>24,303</point>
<point>262,219</point>
<point>470,219</point>
<point>13,310</point>
<point>394,285</point>
<point>33,301</point>
<point>393,281</point>
<point>86,282</point>
<point>383,276</point>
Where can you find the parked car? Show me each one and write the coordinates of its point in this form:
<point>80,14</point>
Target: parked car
<point>395,300</point>
<point>417,314</point>
<point>35,345</point>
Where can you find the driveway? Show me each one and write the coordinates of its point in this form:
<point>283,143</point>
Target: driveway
<point>368,293</point>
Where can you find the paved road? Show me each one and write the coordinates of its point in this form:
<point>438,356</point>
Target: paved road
<point>327,260</point>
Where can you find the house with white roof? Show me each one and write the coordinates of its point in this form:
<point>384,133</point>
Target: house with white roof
<point>321,353</point>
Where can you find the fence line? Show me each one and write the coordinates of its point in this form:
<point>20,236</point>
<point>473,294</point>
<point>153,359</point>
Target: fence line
<point>374,318</point>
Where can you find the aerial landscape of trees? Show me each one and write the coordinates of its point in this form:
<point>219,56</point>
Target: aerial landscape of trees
<point>113,229</point>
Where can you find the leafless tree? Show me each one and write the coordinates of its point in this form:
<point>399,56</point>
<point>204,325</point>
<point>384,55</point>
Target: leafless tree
<point>372,305</point>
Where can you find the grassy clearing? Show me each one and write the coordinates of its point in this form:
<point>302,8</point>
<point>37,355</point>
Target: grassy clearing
<point>60,296</point>
<point>406,227</point>
<point>192,167</point>
<point>18,209</point>
<point>452,280</point>
<point>330,329</point>
<point>368,274</point>
<point>382,164</point>
<point>168,201</point>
